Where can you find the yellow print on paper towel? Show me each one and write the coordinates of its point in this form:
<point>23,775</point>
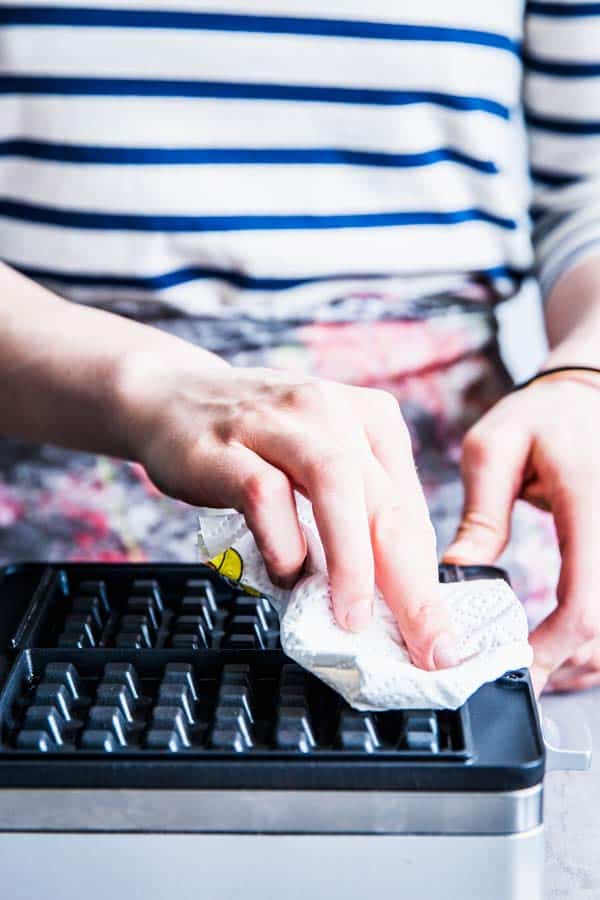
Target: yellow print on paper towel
<point>231,565</point>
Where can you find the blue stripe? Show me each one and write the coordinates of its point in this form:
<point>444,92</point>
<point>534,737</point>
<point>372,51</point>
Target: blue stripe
<point>553,179</point>
<point>225,90</point>
<point>63,218</point>
<point>205,21</point>
<point>561,69</point>
<point>184,276</point>
<point>536,213</point>
<point>563,126</point>
<point>161,156</point>
<point>504,272</point>
<point>563,10</point>
<point>200,273</point>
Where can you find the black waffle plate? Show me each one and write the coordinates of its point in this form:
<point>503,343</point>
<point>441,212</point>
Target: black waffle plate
<point>166,675</point>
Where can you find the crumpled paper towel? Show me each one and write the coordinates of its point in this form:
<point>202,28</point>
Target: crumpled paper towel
<point>371,669</point>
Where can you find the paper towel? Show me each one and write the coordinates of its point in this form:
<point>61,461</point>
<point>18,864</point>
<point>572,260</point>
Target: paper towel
<point>371,669</point>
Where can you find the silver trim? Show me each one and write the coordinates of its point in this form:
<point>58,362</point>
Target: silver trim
<point>72,866</point>
<point>274,812</point>
<point>568,740</point>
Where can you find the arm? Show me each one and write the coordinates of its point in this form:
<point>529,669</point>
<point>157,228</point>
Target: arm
<point>541,444</point>
<point>572,314</point>
<point>61,366</point>
<point>213,435</point>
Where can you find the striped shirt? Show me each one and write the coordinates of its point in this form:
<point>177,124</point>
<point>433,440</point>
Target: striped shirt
<point>252,156</point>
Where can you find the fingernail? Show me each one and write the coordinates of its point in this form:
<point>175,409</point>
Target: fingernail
<point>358,617</point>
<point>445,652</point>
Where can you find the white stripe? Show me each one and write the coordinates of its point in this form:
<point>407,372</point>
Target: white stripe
<point>564,39</point>
<point>240,190</point>
<point>507,16</point>
<point>577,99</point>
<point>132,122</point>
<point>566,153</point>
<point>262,254</point>
<point>269,58</point>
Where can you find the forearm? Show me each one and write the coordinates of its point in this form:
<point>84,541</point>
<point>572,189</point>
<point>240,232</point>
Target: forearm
<point>62,366</point>
<point>572,314</point>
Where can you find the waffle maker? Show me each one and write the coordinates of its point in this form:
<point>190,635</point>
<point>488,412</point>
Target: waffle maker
<point>155,742</point>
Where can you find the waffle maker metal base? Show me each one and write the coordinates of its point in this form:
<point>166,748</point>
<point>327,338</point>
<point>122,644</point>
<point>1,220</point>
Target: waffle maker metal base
<point>155,742</point>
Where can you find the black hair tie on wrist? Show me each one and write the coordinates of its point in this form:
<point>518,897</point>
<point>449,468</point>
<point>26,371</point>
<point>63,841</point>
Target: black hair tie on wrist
<point>555,371</point>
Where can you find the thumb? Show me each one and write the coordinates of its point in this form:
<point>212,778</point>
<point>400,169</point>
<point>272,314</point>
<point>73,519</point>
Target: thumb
<point>492,465</point>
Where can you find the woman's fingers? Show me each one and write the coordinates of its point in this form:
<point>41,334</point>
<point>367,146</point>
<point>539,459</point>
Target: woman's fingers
<point>576,621</point>
<point>407,572</point>
<point>371,514</point>
<point>493,464</point>
<point>234,476</point>
<point>581,657</point>
<point>386,431</point>
<point>582,668</point>
<point>406,566</point>
<point>322,448</point>
<point>522,437</point>
<point>403,537</point>
<point>336,488</point>
<point>577,682</point>
<point>267,500</point>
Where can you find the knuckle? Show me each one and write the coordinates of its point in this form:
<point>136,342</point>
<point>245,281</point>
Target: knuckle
<point>390,415</point>
<point>476,523</point>
<point>485,442</point>
<point>312,397</point>
<point>580,657</point>
<point>282,564</point>
<point>585,625</point>
<point>326,464</point>
<point>475,447</point>
<point>261,488</point>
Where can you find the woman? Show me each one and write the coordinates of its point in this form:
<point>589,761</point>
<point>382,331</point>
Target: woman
<point>336,198</point>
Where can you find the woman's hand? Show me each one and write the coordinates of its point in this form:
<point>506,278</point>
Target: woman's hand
<point>542,444</point>
<point>246,438</point>
<point>217,436</point>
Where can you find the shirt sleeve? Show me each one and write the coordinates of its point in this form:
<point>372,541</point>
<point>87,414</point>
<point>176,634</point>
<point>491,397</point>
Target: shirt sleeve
<point>562,108</point>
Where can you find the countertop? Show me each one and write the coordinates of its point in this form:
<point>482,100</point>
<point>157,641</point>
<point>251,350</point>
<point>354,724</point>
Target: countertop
<point>572,813</point>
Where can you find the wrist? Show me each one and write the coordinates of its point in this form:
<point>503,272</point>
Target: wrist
<point>582,374</point>
<point>572,314</point>
<point>580,348</point>
<point>147,380</point>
